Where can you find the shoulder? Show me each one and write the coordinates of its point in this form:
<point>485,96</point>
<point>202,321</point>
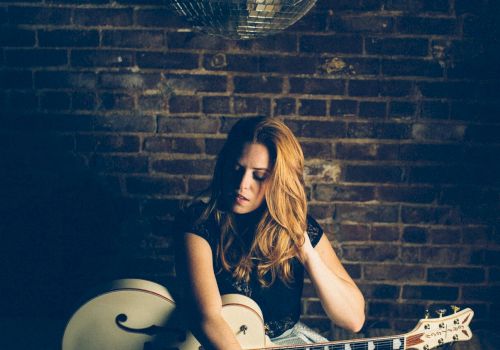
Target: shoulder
<point>314,230</point>
<point>190,219</point>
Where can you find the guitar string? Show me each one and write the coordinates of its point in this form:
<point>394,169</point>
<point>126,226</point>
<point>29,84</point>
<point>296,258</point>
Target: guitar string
<point>352,346</point>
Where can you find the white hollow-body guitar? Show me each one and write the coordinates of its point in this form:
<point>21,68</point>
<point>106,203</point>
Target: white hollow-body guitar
<point>134,314</point>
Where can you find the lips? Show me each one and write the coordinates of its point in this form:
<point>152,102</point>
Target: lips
<point>239,196</point>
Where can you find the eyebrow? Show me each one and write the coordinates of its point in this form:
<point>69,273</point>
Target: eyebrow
<point>264,169</point>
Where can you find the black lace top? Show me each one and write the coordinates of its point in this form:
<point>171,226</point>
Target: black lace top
<point>280,303</point>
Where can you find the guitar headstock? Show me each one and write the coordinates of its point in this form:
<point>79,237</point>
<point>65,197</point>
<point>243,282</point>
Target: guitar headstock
<point>433,332</point>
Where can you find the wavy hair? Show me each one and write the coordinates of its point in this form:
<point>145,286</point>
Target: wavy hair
<point>280,229</point>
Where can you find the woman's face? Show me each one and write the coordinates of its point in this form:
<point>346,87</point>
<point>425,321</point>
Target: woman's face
<point>248,179</point>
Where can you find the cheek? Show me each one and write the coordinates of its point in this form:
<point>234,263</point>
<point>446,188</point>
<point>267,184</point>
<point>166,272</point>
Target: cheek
<point>262,190</point>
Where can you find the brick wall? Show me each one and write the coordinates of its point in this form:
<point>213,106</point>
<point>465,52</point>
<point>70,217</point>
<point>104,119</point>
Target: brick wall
<point>112,113</point>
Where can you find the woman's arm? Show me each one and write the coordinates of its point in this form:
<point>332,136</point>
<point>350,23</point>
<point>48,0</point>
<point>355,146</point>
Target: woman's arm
<point>342,300</point>
<point>203,300</point>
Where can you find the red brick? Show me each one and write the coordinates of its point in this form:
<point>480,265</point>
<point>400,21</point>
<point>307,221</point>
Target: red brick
<point>167,60</point>
<point>84,101</point>
<point>323,192</point>
<point>103,16</point>
<point>174,145</point>
<point>36,57</point>
<point>317,86</point>
<point>188,125</point>
<point>319,150</point>
<point>267,84</point>
<point>68,38</point>
<point>461,275</point>
<point>363,24</point>
<point>184,40</point>
<point>16,79</point>
<point>55,100</point>
<point>412,67</point>
<point>216,104</point>
<point>119,164</point>
<point>12,36</point>
<point>154,185</point>
<point>287,64</point>
<point>366,213</point>
<point>448,235</point>
<point>129,81</point>
<point>39,15</point>
<point>116,101</point>
<point>133,38</point>
<point>194,83</point>
<point>366,151</point>
<point>343,107</point>
<point>430,292</point>
<point>235,63</point>
<point>373,173</point>
<point>280,42</point>
<point>429,215</point>
<point>196,186</point>
<point>184,166</point>
<point>385,233</point>
<point>394,272</point>
<point>414,234</point>
<point>319,129</point>
<point>373,109</point>
<point>331,43</point>
<point>397,46</point>
<point>394,88</point>
<point>380,291</point>
<point>184,104</point>
<point>107,143</point>
<point>125,123</point>
<point>415,194</point>
<point>369,253</point>
<point>352,232</point>
<point>159,207</point>
<point>101,58</point>
<point>427,25</point>
<point>312,107</point>
<point>260,106</point>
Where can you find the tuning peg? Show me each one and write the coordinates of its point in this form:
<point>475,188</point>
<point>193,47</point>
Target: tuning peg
<point>441,312</point>
<point>455,308</point>
<point>426,315</point>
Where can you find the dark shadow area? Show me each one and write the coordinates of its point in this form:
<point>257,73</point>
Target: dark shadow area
<point>64,230</point>
<point>59,236</point>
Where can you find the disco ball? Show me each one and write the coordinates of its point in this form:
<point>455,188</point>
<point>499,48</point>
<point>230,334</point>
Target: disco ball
<point>242,19</point>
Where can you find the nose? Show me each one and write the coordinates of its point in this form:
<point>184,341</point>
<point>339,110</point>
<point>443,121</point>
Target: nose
<point>245,181</point>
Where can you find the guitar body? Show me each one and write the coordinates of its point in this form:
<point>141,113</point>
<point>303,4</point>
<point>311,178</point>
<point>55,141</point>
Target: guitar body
<point>133,314</point>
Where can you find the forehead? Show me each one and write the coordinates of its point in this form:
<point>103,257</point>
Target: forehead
<point>254,155</point>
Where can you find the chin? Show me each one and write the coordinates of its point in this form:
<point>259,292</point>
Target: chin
<point>240,210</point>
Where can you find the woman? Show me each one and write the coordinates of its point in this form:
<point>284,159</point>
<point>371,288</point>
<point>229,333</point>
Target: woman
<point>254,237</point>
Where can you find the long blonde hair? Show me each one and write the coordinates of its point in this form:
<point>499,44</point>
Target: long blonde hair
<point>281,227</point>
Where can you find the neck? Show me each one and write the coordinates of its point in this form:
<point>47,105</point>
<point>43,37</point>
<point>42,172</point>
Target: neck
<point>249,220</point>
<point>396,342</point>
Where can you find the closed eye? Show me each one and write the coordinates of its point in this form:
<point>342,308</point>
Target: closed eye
<point>260,176</point>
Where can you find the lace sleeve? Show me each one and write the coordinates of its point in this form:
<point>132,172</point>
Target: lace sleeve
<point>314,230</point>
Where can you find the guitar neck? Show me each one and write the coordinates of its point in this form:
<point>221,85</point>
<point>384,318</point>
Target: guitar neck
<point>396,342</point>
